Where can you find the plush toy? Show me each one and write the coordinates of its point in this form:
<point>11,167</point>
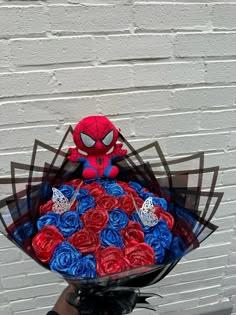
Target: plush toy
<point>96,136</point>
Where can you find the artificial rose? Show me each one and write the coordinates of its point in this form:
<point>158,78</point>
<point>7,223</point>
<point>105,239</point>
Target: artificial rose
<point>70,223</point>
<point>96,191</point>
<point>136,186</point>
<point>85,203</point>
<point>95,219</point>
<point>139,254</point>
<point>45,242</point>
<point>138,202</point>
<point>23,232</point>
<point>113,189</point>
<point>155,243</point>
<point>86,241</point>
<point>110,260</point>
<point>132,232</point>
<point>166,216</point>
<point>107,202</point>
<point>82,193</point>
<point>111,237</point>
<point>90,185</point>
<point>161,232</point>
<point>47,207</point>
<point>130,191</point>
<point>84,267</point>
<point>126,203</point>
<point>157,201</point>
<point>74,182</point>
<point>67,191</point>
<point>122,184</point>
<point>50,218</point>
<point>64,257</point>
<point>118,219</point>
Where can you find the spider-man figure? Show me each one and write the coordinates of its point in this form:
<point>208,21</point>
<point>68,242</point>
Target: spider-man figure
<point>96,135</point>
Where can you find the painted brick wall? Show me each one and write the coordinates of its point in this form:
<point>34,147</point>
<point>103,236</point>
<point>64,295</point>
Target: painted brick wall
<point>161,70</point>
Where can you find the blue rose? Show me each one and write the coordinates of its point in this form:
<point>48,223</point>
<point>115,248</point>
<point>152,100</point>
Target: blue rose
<point>111,237</point>
<point>70,223</point>
<point>186,215</point>
<point>135,217</point>
<point>64,256</point>
<point>145,195</point>
<point>114,190</point>
<point>50,218</point>
<point>106,182</point>
<point>85,267</point>
<point>82,193</point>
<point>67,190</point>
<point>84,204</point>
<point>155,243</point>
<point>118,219</point>
<point>162,233</point>
<point>136,186</point>
<point>23,232</point>
<point>177,249</point>
<point>160,202</point>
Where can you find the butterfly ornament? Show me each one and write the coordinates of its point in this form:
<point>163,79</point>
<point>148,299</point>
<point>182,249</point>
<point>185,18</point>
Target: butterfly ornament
<point>61,203</point>
<point>147,213</point>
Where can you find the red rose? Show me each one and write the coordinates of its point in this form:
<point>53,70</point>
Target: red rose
<point>47,207</point>
<point>107,202</point>
<point>122,184</point>
<point>74,182</point>
<point>166,216</point>
<point>97,191</point>
<point>127,188</point>
<point>110,260</point>
<point>95,219</point>
<point>91,186</point>
<point>85,241</point>
<point>138,202</point>
<point>139,254</point>
<point>132,232</point>
<point>126,203</point>
<point>45,242</point>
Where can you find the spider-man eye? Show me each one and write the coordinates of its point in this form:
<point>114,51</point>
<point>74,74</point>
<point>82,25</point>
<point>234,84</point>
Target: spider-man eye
<point>87,140</point>
<point>107,140</point>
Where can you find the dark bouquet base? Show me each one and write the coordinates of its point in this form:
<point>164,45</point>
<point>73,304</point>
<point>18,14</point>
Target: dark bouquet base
<point>183,206</point>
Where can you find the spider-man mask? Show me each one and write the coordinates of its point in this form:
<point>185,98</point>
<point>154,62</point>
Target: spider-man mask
<point>95,135</point>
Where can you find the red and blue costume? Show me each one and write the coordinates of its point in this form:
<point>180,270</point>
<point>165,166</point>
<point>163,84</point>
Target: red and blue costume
<point>95,136</point>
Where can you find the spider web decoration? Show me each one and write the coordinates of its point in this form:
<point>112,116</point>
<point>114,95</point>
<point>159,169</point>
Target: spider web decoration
<point>172,180</point>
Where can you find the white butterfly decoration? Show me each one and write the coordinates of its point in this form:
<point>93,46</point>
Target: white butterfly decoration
<point>146,213</point>
<point>61,204</point>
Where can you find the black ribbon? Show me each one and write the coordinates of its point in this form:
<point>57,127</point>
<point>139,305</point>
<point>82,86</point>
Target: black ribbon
<point>109,302</point>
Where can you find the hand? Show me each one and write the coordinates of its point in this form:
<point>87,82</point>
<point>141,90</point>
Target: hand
<point>61,306</point>
<point>118,150</point>
<point>74,155</point>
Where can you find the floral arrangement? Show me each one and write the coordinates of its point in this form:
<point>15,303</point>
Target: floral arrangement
<point>108,219</point>
<point>102,233</point>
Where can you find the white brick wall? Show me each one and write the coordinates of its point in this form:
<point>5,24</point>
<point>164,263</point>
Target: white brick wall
<point>159,69</point>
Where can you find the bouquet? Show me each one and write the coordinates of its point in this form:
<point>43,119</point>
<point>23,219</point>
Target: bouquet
<point>107,219</point>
